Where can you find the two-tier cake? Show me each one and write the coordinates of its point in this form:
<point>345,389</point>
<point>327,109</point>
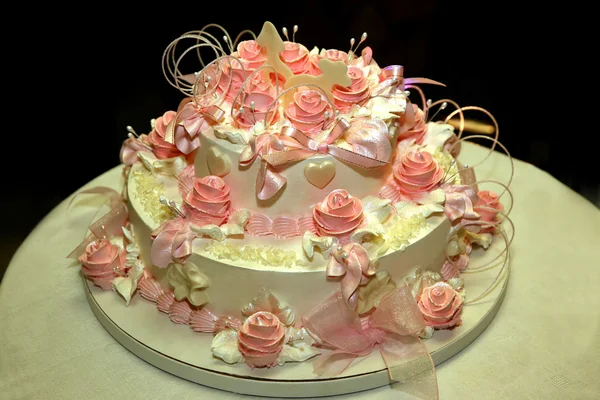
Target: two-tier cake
<point>298,205</point>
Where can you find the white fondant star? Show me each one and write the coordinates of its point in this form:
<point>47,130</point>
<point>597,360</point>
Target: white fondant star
<point>269,38</point>
<point>333,73</point>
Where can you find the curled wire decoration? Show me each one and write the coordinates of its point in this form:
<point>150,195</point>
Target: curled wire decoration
<point>239,36</point>
<point>490,152</point>
<point>229,44</point>
<point>241,94</point>
<point>505,252</point>
<point>206,95</point>
<point>461,116</point>
<point>170,62</point>
<point>326,123</point>
<point>506,189</point>
<point>502,216</point>
<point>475,108</point>
<point>421,95</point>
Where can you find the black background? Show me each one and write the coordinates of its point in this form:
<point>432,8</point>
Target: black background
<point>88,74</point>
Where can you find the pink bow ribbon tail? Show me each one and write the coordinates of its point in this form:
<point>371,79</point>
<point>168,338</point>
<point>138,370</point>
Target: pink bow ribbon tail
<point>460,200</point>
<point>268,182</point>
<point>352,264</point>
<point>393,327</point>
<point>107,226</point>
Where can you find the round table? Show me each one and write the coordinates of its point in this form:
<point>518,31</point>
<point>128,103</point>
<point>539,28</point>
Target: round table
<point>543,343</point>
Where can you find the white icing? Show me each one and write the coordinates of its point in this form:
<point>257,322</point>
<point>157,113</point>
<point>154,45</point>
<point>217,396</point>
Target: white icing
<point>409,243</point>
<point>225,347</point>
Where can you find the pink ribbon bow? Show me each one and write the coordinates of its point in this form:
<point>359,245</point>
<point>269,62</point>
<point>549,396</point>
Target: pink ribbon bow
<point>107,226</point>
<point>172,242</point>
<point>351,262</point>
<point>294,145</point>
<point>189,120</point>
<point>460,200</point>
<point>393,76</point>
<point>393,327</point>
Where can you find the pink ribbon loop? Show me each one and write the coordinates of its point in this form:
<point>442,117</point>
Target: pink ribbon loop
<point>310,147</point>
<point>352,264</point>
<point>460,200</point>
<point>393,327</point>
<point>293,145</point>
<point>107,226</point>
<point>393,76</point>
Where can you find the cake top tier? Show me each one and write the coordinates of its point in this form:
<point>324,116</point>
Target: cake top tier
<point>284,105</point>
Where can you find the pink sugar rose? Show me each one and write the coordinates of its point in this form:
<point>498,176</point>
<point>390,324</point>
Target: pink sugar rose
<point>332,54</point>
<point>260,339</point>
<point>296,57</point>
<point>307,111</point>
<point>357,93</point>
<point>102,262</point>
<point>262,92</point>
<point>251,54</point>
<point>162,148</point>
<point>491,202</point>
<point>339,214</point>
<point>208,202</point>
<point>415,176</point>
<point>418,130</point>
<point>441,306</point>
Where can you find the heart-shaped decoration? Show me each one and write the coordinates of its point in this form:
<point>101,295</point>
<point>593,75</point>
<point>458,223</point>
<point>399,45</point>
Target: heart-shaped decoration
<point>319,174</point>
<point>218,163</point>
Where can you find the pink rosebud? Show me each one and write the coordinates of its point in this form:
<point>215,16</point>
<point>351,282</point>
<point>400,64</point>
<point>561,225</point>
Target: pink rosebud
<point>102,262</point>
<point>260,339</point>
<point>339,214</point>
<point>441,306</point>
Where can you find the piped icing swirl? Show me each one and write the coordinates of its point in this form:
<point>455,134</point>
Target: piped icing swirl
<point>339,214</point>
<point>208,202</point>
<point>101,262</point>
<point>296,57</point>
<point>441,306</point>
<point>260,339</point>
<point>357,93</point>
<point>307,111</point>
<point>417,174</point>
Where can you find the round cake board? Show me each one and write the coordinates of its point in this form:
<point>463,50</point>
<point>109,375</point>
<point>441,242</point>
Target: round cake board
<point>177,349</point>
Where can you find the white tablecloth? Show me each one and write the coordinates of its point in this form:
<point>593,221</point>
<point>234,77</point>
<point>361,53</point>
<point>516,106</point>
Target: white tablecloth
<point>543,344</point>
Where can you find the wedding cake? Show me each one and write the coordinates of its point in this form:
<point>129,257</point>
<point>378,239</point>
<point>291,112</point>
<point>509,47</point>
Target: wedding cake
<point>299,205</point>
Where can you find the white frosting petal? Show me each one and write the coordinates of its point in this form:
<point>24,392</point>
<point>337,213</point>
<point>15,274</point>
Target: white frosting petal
<point>324,243</point>
<point>188,282</point>
<point>296,352</point>
<point>436,136</point>
<point>407,209</point>
<point>126,286</point>
<point>235,226</point>
<point>225,346</point>
<point>482,239</point>
<point>168,166</point>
